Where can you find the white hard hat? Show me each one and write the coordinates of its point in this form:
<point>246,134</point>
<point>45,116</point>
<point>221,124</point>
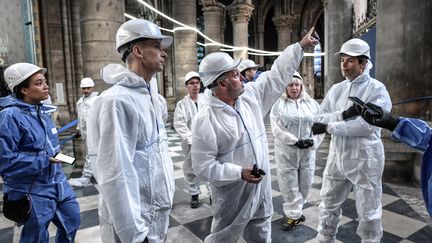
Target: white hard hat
<point>18,72</point>
<point>191,75</point>
<point>86,82</point>
<point>298,78</point>
<point>355,47</point>
<point>245,64</point>
<point>215,64</point>
<point>140,28</point>
<point>297,75</point>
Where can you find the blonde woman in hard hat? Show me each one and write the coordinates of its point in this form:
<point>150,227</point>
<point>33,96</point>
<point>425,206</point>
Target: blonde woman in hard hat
<point>83,105</point>
<point>291,119</point>
<point>127,140</point>
<point>184,112</point>
<point>356,154</point>
<point>28,143</point>
<point>229,144</point>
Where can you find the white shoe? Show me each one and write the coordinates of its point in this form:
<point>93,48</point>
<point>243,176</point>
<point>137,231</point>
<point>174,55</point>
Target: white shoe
<point>80,182</point>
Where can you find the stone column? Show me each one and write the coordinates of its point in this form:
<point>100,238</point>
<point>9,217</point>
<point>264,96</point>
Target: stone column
<point>403,60</point>
<point>57,51</point>
<point>212,25</point>
<point>306,70</point>
<point>185,51</point>
<point>261,46</point>
<point>240,15</point>
<point>338,29</point>
<point>285,25</point>
<point>77,49</point>
<point>100,21</point>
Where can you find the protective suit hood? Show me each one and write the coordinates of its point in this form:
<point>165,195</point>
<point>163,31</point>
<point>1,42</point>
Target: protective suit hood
<point>118,74</point>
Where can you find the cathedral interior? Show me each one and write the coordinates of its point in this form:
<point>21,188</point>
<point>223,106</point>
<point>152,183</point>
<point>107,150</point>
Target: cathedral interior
<point>75,39</point>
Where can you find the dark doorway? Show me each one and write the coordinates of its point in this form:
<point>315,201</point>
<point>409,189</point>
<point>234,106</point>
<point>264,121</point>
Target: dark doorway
<point>270,38</point>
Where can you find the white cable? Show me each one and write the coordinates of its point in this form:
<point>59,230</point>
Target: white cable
<point>251,51</point>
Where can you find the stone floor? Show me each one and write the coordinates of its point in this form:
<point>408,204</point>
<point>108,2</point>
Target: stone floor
<point>404,216</point>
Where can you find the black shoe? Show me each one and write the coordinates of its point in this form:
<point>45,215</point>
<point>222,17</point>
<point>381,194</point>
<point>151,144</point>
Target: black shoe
<point>195,203</point>
<point>290,223</point>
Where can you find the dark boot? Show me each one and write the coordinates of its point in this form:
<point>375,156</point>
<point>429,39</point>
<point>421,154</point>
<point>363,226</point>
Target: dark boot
<point>195,203</point>
<point>291,223</point>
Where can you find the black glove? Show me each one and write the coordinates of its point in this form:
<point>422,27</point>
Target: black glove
<point>353,111</point>
<point>257,172</point>
<point>145,240</point>
<point>304,143</point>
<point>377,116</point>
<point>319,128</point>
<point>77,134</point>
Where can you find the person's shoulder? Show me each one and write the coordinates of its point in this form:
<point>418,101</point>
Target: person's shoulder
<point>203,116</point>
<point>114,92</point>
<point>204,112</point>
<point>342,83</point>
<point>80,100</point>
<point>183,100</point>
<point>93,96</point>
<point>376,82</point>
<point>338,86</point>
<point>10,113</point>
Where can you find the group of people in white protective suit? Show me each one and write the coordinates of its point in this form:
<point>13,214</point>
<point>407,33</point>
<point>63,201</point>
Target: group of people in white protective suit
<point>224,140</point>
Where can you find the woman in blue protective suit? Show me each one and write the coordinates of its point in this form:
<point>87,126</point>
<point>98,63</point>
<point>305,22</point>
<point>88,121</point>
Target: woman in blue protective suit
<point>28,143</point>
<point>412,132</point>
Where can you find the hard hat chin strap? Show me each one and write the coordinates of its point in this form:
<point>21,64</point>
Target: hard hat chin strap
<point>127,51</point>
<point>125,55</point>
<point>212,85</point>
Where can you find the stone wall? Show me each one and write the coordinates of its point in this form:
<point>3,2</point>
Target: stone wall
<point>11,32</point>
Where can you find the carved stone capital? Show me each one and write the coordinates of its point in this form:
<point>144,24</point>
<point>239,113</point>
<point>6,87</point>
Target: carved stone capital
<point>209,3</point>
<point>212,8</point>
<point>240,13</point>
<point>285,22</point>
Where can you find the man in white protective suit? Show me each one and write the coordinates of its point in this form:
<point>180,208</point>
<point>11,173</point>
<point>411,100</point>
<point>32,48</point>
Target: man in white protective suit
<point>185,111</point>
<point>356,154</point>
<point>127,137</point>
<point>83,106</point>
<point>229,138</point>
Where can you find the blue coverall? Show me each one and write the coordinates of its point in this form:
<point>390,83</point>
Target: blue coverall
<point>28,138</point>
<point>417,134</point>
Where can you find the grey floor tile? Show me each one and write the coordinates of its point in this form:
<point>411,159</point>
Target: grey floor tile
<point>401,207</point>
<point>89,219</point>
<point>6,235</point>
<point>200,228</point>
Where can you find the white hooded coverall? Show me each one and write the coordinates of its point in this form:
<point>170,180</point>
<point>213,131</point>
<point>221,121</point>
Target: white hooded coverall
<point>292,120</point>
<point>355,160</point>
<point>83,106</point>
<point>184,113</point>
<point>226,139</point>
<point>133,167</point>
